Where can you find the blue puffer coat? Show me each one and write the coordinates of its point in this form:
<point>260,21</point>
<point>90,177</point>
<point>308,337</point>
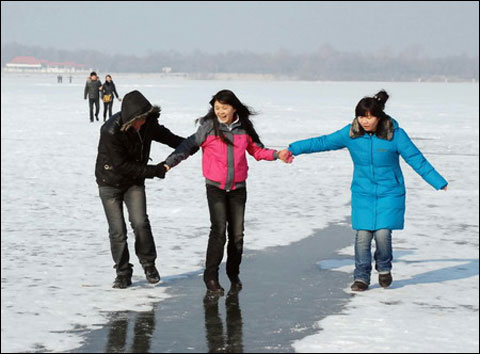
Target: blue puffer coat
<point>378,189</point>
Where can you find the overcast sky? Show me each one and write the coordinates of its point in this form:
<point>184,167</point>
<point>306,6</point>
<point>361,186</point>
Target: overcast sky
<point>434,29</point>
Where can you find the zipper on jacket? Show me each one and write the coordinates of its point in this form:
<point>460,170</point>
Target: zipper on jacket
<point>230,163</point>
<point>141,140</point>
<point>374,184</point>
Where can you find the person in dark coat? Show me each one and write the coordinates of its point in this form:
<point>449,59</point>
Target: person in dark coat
<point>108,90</point>
<point>92,91</point>
<point>121,169</point>
<point>375,142</point>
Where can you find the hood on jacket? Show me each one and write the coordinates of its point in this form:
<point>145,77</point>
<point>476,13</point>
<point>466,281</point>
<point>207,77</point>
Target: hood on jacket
<point>385,128</point>
<point>136,106</point>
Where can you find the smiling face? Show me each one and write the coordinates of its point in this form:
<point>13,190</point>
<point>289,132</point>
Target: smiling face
<point>224,112</point>
<point>368,122</point>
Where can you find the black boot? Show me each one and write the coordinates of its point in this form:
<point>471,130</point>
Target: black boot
<point>151,273</point>
<point>214,287</point>
<point>236,283</point>
<point>384,280</point>
<point>122,281</point>
<point>359,286</point>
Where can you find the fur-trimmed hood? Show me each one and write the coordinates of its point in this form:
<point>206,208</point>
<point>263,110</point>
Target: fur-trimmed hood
<point>152,112</point>
<point>385,128</point>
<point>136,106</point>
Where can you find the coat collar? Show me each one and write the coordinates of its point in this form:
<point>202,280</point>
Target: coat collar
<point>385,129</point>
<point>236,123</point>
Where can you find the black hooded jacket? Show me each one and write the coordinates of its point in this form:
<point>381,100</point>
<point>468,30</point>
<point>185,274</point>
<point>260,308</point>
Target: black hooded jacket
<point>123,153</point>
<point>108,88</point>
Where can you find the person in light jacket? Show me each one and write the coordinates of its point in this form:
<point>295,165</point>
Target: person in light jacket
<point>375,142</point>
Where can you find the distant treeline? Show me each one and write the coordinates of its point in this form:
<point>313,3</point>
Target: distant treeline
<point>326,63</point>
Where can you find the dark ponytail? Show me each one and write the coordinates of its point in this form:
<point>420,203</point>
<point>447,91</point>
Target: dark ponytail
<point>372,105</point>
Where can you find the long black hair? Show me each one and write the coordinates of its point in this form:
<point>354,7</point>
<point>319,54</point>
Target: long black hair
<point>244,112</point>
<point>372,105</point>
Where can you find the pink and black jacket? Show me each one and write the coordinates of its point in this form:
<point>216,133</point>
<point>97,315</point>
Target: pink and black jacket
<point>224,166</point>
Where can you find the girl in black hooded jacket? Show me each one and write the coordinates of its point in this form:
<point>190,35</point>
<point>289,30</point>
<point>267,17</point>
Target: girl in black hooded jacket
<point>108,90</point>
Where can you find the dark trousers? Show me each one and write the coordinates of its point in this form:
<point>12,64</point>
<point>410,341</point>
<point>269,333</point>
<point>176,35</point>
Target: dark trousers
<point>96,102</point>
<point>107,106</point>
<point>227,213</point>
<point>135,200</point>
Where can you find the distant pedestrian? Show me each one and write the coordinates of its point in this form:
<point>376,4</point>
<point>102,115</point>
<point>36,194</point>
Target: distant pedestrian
<point>108,90</point>
<point>70,79</point>
<point>59,79</point>
<point>92,90</point>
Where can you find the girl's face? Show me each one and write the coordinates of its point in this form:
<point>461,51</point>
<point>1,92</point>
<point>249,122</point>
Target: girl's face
<point>224,112</point>
<point>369,123</point>
<point>108,78</point>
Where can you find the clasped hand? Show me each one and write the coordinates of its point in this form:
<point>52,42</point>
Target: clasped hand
<point>162,168</point>
<point>285,155</point>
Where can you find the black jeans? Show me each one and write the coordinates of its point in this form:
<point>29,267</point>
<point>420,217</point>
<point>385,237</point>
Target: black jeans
<point>107,106</point>
<point>135,200</point>
<point>227,213</point>
<point>96,102</point>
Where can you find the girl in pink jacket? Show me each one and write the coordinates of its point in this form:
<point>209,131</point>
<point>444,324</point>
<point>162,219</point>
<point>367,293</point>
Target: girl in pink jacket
<point>224,135</point>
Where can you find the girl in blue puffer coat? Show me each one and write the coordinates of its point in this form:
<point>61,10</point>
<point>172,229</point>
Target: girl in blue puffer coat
<point>375,142</point>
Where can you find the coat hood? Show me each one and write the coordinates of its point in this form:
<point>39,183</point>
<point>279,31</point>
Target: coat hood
<point>385,128</point>
<point>136,106</point>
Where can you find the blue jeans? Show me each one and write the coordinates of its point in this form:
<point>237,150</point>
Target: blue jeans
<point>135,200</point>
<point>363,255</point>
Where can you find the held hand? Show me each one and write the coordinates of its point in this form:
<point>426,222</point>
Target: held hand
<point>161,170</point>
<point>167,167</point>
<point>285,155</point>
<point>445,188</point>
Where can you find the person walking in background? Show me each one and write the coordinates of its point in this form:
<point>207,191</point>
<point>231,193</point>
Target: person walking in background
<point>92,91</point>
<point>108,90</point>
<point>225,135</point>
<point>120,170</point>
<point>375,142</point>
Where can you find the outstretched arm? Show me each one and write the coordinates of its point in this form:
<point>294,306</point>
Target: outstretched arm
<point>412,155</point>
<point>332,141</point>
<point>259,152</point>
<point>165,136</point>
<point>182,152</point>
<point>189,146</point>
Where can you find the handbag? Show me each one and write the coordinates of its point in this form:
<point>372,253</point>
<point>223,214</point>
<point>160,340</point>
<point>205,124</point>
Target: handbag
<point>107,98</point>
